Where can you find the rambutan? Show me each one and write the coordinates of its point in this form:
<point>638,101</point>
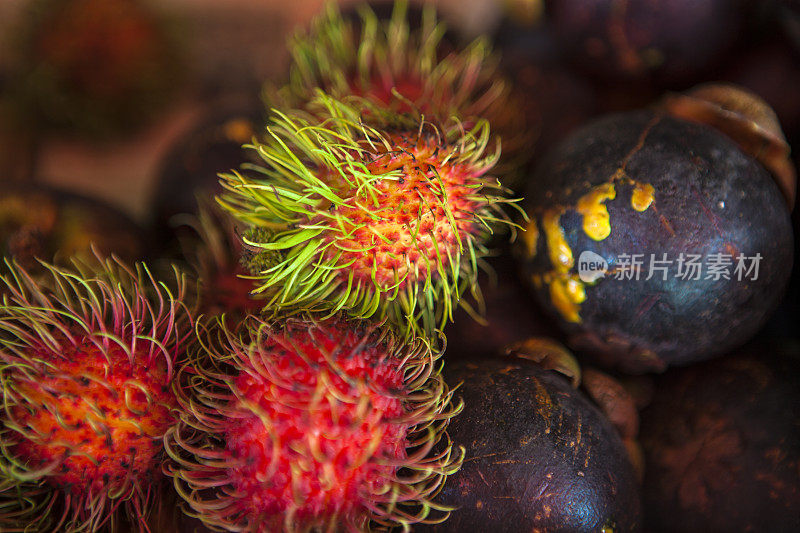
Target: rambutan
<point>386,221</point>
<point>402,68</point>
<point>87,364</point>
<point>308,425</point>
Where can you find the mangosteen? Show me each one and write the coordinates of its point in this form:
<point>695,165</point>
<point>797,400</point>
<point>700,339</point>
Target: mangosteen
<point>771,69</point>
<point>190,169</point>
<point>38,222</point>
<point>619,400</point>
<point>539,455</point>
<point>722,444</point>
<point>745,118</point>
<point>787,13</point>
<point>551,98</point>
<point>654,240</point>
<point>668,42</point>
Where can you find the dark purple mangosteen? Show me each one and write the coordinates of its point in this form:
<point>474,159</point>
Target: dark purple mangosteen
<point>671,42</point>
<point>509,315</point>
<point>552,99</point>
<point>722,444</point>
<point>539,455</point>
<point>771,70</point>
<point>190,169</point>
<point>656,241</point>
<point>39,222</point>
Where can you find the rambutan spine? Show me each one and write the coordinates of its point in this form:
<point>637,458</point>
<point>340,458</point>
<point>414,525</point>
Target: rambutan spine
<point>287,380</point>
<point>374,213</point>
<point>370,57</point>
<point>87,358</point>
<point>403,69</point>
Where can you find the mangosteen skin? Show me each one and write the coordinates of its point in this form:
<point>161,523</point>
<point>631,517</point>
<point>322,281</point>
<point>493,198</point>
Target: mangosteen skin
<point>42,222</point>
<point>669,42</point>
<point>539,455</point>
<point>722,445</point>
<point>553,101</point>
<point>707,198</point>
<point>191,167</point>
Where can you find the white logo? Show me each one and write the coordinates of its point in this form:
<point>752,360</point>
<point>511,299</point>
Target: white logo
<point>591,266</point>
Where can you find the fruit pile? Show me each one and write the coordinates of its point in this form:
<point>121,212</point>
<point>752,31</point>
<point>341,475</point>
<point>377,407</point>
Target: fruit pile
<point>363,326</point>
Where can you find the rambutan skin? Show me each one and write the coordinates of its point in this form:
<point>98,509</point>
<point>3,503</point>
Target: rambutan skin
<point>311,425</point>
<point>87,359</point>
<point>377,214</point>
<point>409,204</point>
<point>406,63</point>
<point>95,403</point>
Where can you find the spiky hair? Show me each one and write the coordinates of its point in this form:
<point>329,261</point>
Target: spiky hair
<point>129,324</point>
<point>378,58</point>
<point>388,220</point>
<point>382,403</point>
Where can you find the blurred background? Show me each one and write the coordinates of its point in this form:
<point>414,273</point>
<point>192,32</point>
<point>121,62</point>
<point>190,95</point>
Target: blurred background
<point>95,93</point>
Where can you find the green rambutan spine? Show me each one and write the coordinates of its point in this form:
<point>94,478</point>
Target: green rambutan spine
<point>378,214</point>
<point>403,69</point>
<point>370,57</point>
<point>219,259</point>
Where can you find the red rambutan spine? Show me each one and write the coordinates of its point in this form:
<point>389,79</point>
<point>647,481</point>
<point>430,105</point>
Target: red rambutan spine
<point>308,425</point>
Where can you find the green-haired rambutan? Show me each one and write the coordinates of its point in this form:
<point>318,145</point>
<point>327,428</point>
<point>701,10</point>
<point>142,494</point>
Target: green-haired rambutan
<point>309,425</point>
<point>86,367</point>
<point>388,62</point>
<point>386,221</point>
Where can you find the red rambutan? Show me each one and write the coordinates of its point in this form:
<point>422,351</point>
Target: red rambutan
<point>87,364</point>
<point>312,425</point>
